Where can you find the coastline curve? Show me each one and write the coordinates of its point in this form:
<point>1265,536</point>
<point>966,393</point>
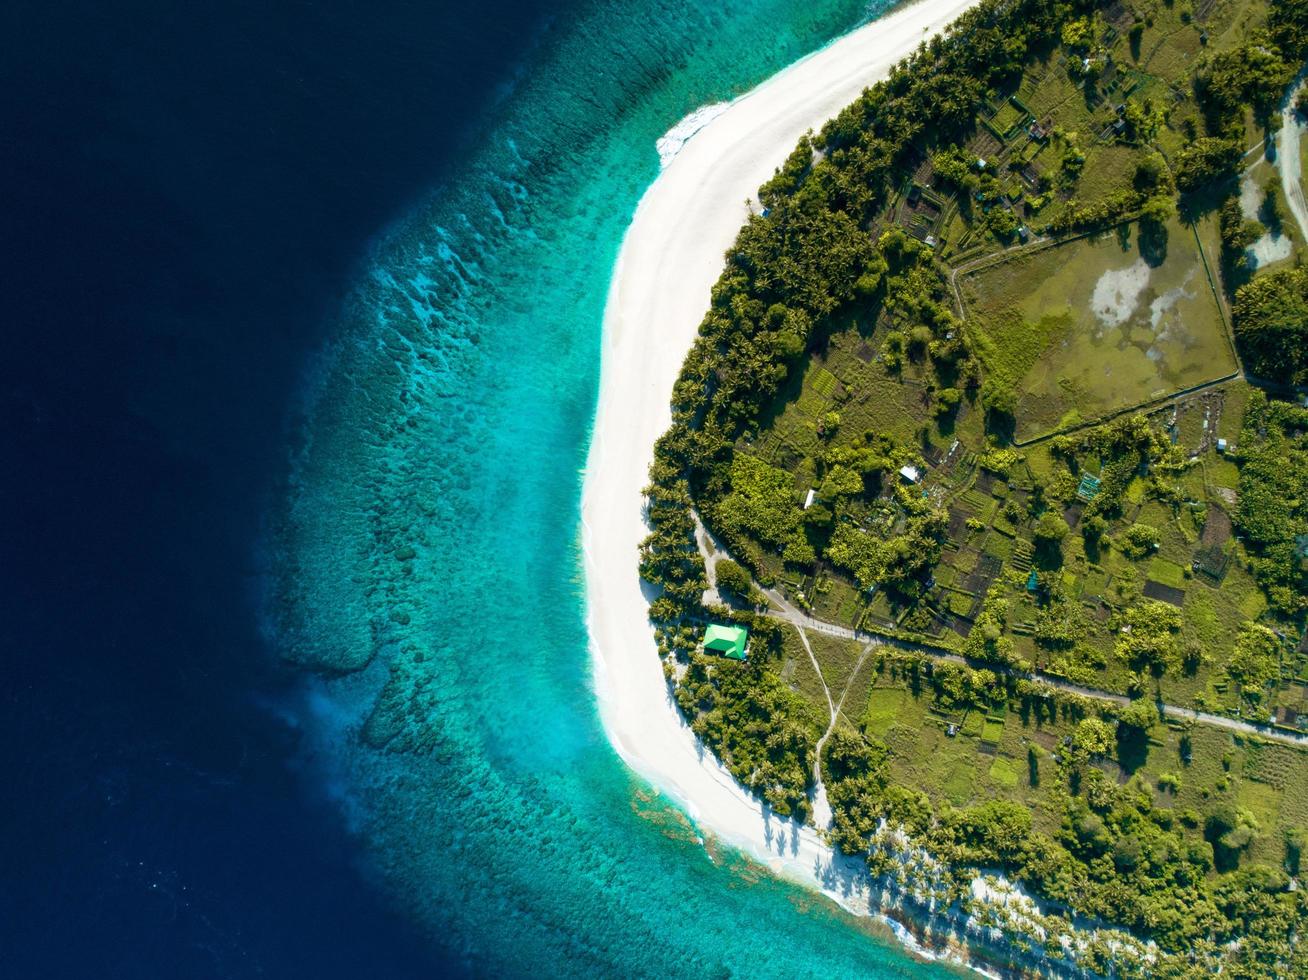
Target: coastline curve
<point>670,258</point>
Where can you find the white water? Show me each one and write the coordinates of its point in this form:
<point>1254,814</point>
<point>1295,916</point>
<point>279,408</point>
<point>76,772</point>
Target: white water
<point>671,142</point>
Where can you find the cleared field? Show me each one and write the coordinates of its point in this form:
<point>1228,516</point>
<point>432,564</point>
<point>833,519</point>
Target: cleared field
<point>1087,328</point>
<point>883,709</point>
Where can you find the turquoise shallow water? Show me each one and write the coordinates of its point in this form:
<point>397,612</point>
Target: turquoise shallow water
<point>427,551</point>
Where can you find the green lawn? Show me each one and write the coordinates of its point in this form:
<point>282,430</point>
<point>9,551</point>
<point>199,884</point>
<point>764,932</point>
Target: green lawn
<point>883,707</point>
<point>1004,773</point>
<point>1167,572</point>
<point>973,724</point>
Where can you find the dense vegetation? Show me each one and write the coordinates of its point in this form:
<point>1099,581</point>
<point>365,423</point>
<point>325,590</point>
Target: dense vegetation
<point>1116,854</point>
<point>1271,323</point>
<point>1274,499</point>
<point>1082,553</point>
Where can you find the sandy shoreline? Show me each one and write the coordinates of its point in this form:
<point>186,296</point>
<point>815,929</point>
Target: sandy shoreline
<point>670,258</point>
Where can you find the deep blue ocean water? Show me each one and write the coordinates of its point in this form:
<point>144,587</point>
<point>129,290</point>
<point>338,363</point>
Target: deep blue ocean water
<point>300,348</point>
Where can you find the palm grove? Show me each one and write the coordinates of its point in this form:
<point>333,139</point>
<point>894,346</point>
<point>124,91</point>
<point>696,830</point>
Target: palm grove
<point>1173,876</point>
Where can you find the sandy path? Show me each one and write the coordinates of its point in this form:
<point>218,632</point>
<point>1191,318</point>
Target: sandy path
<point>1287,158</point>
<point>669,260</point>
<point>821,807</point>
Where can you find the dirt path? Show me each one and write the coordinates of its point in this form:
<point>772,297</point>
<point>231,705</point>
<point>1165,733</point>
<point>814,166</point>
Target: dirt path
<point>787,612</point>
<point>821,808</point>
<point>853,676</point>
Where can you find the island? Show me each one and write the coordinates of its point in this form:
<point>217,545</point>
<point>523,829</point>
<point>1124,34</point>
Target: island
<point>978,542</point>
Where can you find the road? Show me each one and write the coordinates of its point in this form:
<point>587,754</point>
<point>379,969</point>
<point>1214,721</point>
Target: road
<point>784,610</point>
<point>1287,158</point>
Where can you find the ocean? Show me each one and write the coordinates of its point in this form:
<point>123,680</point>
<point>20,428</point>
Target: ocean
<point>302,347</point>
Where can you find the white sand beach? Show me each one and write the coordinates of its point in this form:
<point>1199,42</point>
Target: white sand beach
<point>670,258</point>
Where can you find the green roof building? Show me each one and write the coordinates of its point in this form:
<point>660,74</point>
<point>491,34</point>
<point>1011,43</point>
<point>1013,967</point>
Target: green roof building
<point>726,641</point>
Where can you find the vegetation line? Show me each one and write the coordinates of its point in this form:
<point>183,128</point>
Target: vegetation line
<point>966,395</point>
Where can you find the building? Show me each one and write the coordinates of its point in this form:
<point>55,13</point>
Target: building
<point>810,498</point>
<point>910,473</point>
<point>726,641</point>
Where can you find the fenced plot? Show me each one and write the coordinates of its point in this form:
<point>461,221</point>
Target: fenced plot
<point>1096,325</point>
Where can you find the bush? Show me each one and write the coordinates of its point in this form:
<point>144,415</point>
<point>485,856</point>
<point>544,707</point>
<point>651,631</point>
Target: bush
<point>1141,714</point>
<point>999,398</point>
<point>1205,160</point>
<point>762,503</point>
<point>918,339</point>
<point>733,580</point>
<point>1254,75</point>
<point>1051,529</point>
<point>1138,541</point>
<point>947,400</point>
<point>1256,661</point>
<point>1271,325</point>
<point>1147,637</point>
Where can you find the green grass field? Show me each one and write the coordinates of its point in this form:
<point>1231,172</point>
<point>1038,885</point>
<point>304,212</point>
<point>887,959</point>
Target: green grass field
<point>883,707</point>
<point>1099,324</point>
<point>1167,572</point>
<point>1004,773</point>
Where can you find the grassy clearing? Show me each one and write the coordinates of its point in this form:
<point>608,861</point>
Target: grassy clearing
<point>798,672</point>
<point>837,658</point>
<point>1188,770</point>
<point>1003,773</point>
<point>1098,324</point>
<point>1168,573</point>
<point>884,706</point>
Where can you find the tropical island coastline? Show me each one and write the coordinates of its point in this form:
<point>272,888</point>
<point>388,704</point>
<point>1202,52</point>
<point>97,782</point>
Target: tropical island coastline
<point>662,284</point>
<point>683,225</point>
<point>697,201</point>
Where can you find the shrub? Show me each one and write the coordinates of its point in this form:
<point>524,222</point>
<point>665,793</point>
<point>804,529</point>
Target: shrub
<point>733,579</point>
<point>1271,325</point>
<point>1051,529</point>
<point>1255,662</point>
<point>1140,714</point>
<point>1206,160</point>
<point>1138,541</point>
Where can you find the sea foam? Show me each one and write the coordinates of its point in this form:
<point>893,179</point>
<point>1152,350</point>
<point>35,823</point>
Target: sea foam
<point>671,142</point>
